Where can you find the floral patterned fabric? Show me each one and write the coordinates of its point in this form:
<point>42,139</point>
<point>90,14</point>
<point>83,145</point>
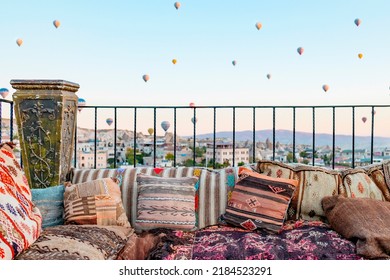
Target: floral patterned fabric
<point>296,241</point>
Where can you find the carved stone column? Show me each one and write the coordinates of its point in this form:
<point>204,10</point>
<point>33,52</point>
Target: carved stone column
<point>46,113</point>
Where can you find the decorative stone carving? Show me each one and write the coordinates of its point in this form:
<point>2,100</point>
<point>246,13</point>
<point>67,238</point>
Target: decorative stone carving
<point>46,112</point>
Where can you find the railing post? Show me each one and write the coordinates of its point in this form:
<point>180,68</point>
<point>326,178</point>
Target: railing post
<point>46,113</point>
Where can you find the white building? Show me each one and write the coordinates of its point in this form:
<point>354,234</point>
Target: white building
<point>87,159</point>
<point>224,152</point>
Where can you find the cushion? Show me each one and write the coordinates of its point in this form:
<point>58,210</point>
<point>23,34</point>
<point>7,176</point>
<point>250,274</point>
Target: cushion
<point>275,169</point>
<point>95,202</point>
<point>259,201</point>
<point>377,175</point>
<point>357,183</point>
<point>214,187</point>
<point>166,203</point>
<point>364,220</point>
<point>50,202</point>
<point>138,246</point>
<point>78,242</point>
<point>20,220</point>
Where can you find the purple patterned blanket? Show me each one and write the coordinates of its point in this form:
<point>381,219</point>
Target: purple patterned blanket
<point>296,241</point>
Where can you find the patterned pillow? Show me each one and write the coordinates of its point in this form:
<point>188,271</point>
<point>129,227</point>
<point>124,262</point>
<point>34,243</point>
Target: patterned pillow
<point>357,183</point>
<point>20,220</point>
<point>95,202</point>
<point>50,201</point>
<point>166,203</point>
<point>78,242</point>
<point>259,201</point>
<point>275,169</point>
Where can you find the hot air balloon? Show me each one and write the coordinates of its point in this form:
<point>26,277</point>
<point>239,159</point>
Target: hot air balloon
<point>268,76</point>
<point>145,77</point>
<point>300,50</point>
<point>258,25</point>
<point>360,55</point>
<point>81,102</point>
<point>56,23</point>
<point>19,42</point>
<point>150,131</point>
<point>194,120</point>
<point>357,22</point>
<point>192,104</point>
<point>364,119</point>
<point>325,88</point>
<point>4,92</point>
<point>177,5</point>
<point>165,125</point>
<point>109,121</point>
<point>234,62</point>
<point>174,61</point>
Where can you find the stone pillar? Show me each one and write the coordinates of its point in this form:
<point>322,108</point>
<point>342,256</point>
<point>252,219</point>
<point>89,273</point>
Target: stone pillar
<point>45,112</point>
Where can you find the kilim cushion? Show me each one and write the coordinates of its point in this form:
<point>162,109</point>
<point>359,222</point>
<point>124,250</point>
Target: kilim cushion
<point>365,221</point>
<point>78,242</point>
<point>20,220</point>
<point>166,203</point>
<point>275,169</point>
<point>50,201</point>
<point>259,201</point>
<point>95,202</point>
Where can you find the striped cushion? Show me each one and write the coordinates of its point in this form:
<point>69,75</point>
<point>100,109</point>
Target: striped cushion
<point>214,187</point>
<point>166,203</point>
<point>259,201</point>
<point>95,202</point>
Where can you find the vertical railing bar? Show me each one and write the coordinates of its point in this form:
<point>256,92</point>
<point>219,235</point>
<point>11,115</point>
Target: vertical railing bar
<point>1,120</point>
<point>372,133</point>
<point>194,144</point>
<point>154,136</point>
<point>174,137</point>
<point>11,121</point>
<point>353,137</point>
<point>214,136</point>
<point>314,135</point>
<point>115,135</point>
<point>75,145</point>
<point>334,137</point>
<point>95,149</point>
<point>135,138</point>
<point>234,136</point>
<point>294,123</point>
<point>254,136</point>
<point>273,132</point>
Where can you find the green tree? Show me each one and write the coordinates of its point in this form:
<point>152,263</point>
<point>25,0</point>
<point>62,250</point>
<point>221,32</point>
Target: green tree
<point>169,156</point>
<point>189,163</point>
<point>303,154</point>
<point>241,163</point>
<point>290,157</point>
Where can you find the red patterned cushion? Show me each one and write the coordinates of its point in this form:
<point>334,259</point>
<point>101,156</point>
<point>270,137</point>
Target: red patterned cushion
<point>259,201</point>
<point>20,220</point>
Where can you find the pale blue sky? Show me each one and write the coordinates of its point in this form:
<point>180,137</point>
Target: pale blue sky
<point>106,47</point>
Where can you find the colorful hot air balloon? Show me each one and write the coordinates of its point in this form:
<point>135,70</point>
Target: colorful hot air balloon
<point>192,104</point>
<point>364,119</point>
<point>259,25</point>
<point>357,22</point>
<point>56,23</point>
<point>81,102</point>
<point>194,120</point>
<point>177,5</point>
<point>150,131</point>
<point>19,42</point>
<point>268,76</point>
<point>165,125</point>
<point>145,77</point>
<point>174,61</point>
<point>300,50</point>
<point>360,55</point>
<point>234,62</point>
<point>4,92</point>
<point>325,88</point>
<point>109,121</point>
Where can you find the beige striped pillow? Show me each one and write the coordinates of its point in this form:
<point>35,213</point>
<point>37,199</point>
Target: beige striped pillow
<point>95,202</point>
<point>259,201</point>
<point>166,203</point>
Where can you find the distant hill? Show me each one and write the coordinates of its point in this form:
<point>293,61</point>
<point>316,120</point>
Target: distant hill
<point>286,137</point>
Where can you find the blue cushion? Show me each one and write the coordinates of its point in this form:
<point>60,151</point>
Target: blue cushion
<point>50,201</point>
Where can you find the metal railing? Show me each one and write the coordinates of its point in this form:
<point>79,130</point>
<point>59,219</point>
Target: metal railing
<point>256,111</point>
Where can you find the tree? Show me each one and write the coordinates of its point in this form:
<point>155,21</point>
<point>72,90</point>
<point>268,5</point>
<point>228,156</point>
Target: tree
<point>290,157</point>
<point>241,163</point>
<point>169,156</point>
<point>303,154</point>
<point>189,163</point>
